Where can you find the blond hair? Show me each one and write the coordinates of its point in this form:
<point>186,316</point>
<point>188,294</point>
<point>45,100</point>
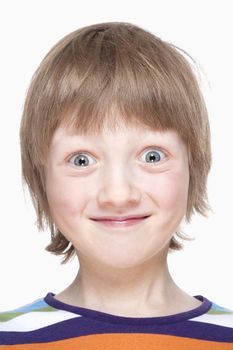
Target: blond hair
<point>104,66</point>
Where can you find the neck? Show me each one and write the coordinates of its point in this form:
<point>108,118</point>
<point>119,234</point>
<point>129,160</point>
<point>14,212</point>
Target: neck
<point>146,289</point>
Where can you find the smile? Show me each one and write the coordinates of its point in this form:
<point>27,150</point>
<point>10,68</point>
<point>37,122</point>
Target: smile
<point>121,223</point>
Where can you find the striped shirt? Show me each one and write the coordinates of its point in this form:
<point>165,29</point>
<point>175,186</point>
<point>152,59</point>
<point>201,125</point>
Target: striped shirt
<point>50,324</point>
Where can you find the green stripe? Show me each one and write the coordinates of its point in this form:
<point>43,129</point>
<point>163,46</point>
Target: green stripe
<point>10,315</point>
<point>219,312</point>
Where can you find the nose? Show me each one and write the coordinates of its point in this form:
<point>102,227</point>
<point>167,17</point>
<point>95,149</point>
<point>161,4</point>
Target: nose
<point>119,192</point>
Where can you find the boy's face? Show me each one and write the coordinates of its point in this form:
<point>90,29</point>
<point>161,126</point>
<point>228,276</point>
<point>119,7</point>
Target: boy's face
<point>132,171</point>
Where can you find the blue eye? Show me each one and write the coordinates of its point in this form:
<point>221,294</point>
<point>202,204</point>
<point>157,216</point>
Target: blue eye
<point>80,160</point>
<point>155,156</point>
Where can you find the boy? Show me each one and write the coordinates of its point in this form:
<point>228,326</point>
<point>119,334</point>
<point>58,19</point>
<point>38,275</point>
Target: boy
<point>115,146</point>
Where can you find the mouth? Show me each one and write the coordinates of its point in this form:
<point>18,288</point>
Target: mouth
<point>121,223</point>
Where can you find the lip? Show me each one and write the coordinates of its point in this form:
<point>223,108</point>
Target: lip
<point>127,222</point>
<point>120,218</point>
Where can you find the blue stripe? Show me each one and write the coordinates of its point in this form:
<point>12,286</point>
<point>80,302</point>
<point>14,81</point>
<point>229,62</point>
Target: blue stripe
<point>38,304</point>
<point>220,308</point>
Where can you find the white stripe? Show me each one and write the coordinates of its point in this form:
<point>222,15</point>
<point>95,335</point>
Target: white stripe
<point>220,320</point>
<point>35,320</point>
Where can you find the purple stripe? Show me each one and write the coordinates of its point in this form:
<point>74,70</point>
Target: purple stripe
<point>82,326</point>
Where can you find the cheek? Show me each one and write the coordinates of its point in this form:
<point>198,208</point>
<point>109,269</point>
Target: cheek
<point>170,190</point>
<point>65,196</point>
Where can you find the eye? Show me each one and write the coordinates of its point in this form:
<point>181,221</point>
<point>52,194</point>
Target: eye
<point>154,156</point>
<point>80,160</point>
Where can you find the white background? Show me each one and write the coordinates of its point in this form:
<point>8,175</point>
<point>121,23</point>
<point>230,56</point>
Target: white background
<point>28,30</point>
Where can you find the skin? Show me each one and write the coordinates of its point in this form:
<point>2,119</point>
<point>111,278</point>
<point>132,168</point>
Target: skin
<point>122,271</point>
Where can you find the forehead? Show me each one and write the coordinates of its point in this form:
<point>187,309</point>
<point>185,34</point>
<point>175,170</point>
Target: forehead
<point>124,135</point>
<point>105,133</point>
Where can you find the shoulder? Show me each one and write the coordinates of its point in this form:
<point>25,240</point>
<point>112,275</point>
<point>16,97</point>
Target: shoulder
<point>32,323</point>
<point>221,314</point>
<point>217,315</point>
<point>26,317</point>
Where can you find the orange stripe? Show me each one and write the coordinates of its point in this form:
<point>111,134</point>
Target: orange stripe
<point>132,341</point>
